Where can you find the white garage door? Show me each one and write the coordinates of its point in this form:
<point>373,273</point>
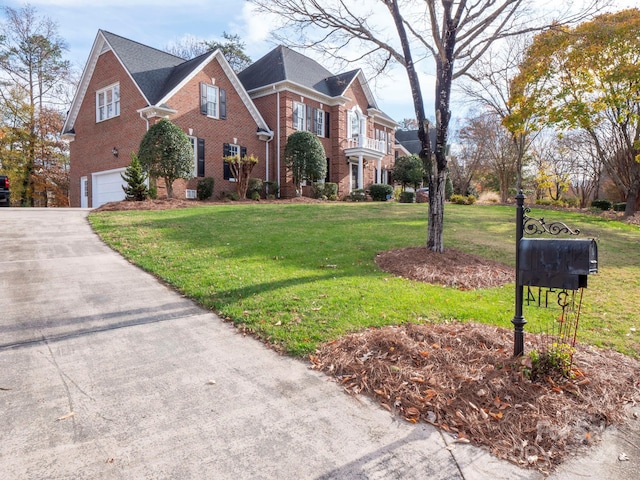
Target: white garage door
<point>107,187</point>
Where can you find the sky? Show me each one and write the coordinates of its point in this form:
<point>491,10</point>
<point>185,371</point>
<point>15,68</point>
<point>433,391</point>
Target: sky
<point>157,23</point>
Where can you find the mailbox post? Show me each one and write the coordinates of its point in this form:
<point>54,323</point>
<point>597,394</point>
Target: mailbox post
<point>552,263</point>
<point>518,319</point>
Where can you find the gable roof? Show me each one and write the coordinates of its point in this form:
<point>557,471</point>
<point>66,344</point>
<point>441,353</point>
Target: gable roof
<point>149,67</point>
<point>283,64</point>
<point>410,141</point>
<point>158,75</point>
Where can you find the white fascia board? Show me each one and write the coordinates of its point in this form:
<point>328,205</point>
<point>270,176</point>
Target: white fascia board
<point>367,91</point>
<point>244,96</point>
<point>380,117</point>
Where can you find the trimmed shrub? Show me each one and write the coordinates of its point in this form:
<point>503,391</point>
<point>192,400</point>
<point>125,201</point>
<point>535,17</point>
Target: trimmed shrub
<point>271,189</point>
<point>325,190</point>
<point>331,190</point>
<point>358,195</point>
<point>380,192</point>
<point>601,204</point>
<point>463,199</point>
<point>255,185</point>
<point>407,197</point>
<point>204,189</point>
<point>620,207</point>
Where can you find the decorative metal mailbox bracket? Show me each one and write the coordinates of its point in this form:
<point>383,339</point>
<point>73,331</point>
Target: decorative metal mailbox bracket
<point>531,226</point>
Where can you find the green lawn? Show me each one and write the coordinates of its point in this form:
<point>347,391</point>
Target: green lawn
<point>301,274</point>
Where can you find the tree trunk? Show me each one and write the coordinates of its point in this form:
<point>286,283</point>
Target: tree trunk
<point>436,210</point>
<point>423,126</point>
<point>169,186</point>
<point>444,77</point>
<point>632,199</point>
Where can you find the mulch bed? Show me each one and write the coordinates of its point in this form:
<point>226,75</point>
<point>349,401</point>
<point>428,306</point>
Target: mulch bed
<point>451,268</point>
<point>463,379</point>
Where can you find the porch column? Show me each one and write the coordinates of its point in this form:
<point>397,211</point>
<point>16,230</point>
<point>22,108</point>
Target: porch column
<point>379,171</point>
<point>360,172</point>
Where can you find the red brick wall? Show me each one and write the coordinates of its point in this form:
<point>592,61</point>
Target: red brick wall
<point>239,128</point>
<point>91,149</point>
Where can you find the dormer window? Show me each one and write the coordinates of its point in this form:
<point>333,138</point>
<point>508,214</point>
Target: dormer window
<point>108,102</point>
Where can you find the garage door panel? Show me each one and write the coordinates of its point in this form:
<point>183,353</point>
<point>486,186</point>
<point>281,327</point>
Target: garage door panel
<point>107,187</point>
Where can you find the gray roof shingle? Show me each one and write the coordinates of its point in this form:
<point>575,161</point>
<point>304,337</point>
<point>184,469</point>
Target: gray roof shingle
<point>283,64</point>
<point>150,68</point>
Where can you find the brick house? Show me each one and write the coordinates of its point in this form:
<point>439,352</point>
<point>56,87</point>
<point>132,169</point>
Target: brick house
<point>294,92</point>
<point>127,86</point>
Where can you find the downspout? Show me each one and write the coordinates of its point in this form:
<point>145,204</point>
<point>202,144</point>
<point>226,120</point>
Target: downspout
<point>145,119</point>
<point>278,142</point>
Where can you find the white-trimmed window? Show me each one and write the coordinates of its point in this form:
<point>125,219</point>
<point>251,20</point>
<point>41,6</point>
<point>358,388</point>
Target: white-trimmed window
<point>319,122</point>
<point>299,116</point>
<point>194,146</point>
<point>209,100</point>
<point>353,123</point>
<point>108,102</point>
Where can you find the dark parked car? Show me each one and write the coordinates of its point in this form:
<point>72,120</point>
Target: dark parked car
<point>4,191</point>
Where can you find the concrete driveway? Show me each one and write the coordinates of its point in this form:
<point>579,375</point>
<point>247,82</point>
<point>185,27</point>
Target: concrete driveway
<point>107,374</point>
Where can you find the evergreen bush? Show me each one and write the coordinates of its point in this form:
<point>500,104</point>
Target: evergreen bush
<point>205,188</point>
<point>407,197</point>
<point>601,204</point>
<point>380,192</point>
<point>136,188</point>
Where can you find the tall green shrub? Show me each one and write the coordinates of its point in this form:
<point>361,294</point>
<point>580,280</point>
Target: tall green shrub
<point>166,152</point>
<point>305,158</point>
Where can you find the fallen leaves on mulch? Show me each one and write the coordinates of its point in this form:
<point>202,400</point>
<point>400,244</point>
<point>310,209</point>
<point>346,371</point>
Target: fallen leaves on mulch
<point>451,268</point>
<point>462,378</point>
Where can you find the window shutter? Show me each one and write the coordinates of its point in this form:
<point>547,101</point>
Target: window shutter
<point>314,117</point>
<point>226,151</point>
<point>223,104</point>
<point>326,124</point>
<point>201,157</point>
<point>328,176</point>
<point>243,152</point>
<point>309,122</point>
<point>203,98</point>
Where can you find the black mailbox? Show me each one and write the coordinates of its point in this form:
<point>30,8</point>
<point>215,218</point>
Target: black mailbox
<point>556,263</point>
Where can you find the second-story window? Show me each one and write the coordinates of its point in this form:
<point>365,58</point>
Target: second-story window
<point>299,116</point>
<point>108,102</point>
<point>318,122</point>
<point>209,100</point>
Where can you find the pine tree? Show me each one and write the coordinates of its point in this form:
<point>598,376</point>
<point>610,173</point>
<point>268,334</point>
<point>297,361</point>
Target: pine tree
<point>136,188</point>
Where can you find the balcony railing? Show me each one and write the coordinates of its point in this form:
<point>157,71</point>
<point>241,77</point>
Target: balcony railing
<point>366,142</point>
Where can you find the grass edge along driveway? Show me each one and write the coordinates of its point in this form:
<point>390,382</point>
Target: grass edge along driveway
<point>297,275</point>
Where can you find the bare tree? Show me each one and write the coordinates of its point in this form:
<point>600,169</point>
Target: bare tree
<point>233,49</point>
<point>454,34</point>
<point>586,179</point>
<point>488,84</point>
